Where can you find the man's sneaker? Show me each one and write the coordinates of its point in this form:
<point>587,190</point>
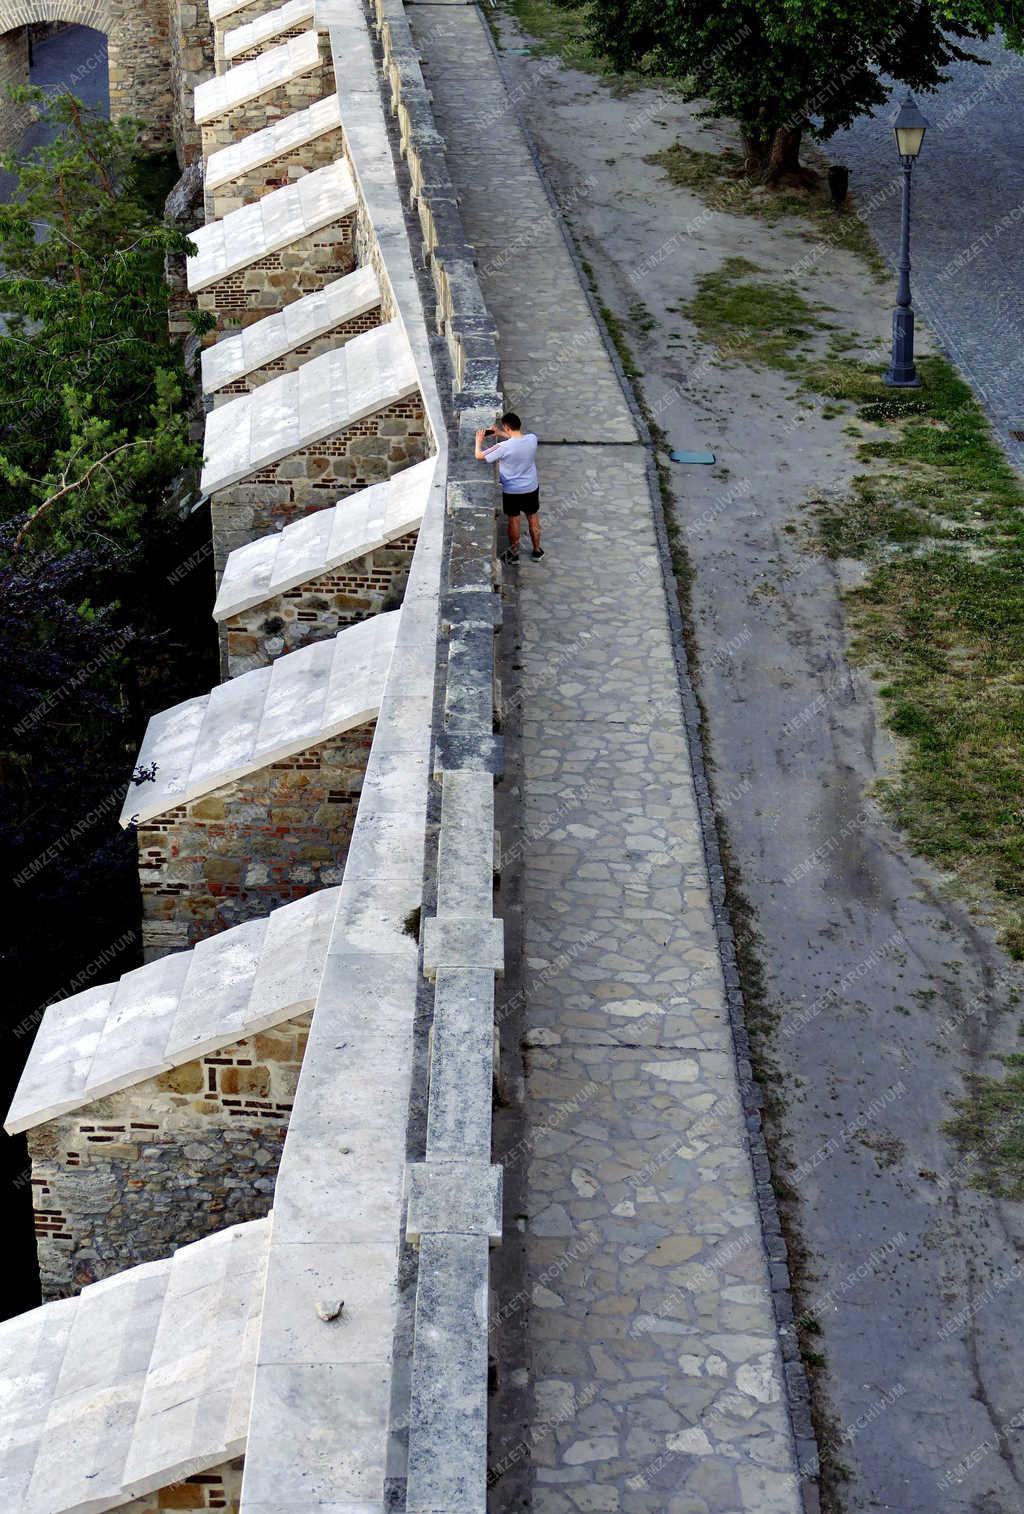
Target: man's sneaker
<point>537,553</point>
<point>510,556</point>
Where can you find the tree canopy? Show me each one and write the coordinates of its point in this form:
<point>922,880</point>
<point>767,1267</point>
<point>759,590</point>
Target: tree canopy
<point>91,388</point>
<point>780,67</point>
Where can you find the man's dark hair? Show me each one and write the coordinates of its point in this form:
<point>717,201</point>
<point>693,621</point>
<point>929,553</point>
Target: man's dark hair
<point>511,420</point>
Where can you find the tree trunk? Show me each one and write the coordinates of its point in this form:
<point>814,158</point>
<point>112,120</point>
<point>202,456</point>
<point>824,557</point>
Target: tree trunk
<point>755,153</point>
<point>784,159</point>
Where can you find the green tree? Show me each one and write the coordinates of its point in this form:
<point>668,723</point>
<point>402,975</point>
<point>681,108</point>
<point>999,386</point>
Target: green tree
<point>91,387</point>
<point>784,67</point>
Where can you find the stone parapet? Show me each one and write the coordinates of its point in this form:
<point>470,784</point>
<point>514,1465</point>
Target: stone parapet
<point>369,451</point>
<point>141,1382</point>
<point>462,941</point>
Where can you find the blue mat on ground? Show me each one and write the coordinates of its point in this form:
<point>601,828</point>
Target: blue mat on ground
<point>692,457</point>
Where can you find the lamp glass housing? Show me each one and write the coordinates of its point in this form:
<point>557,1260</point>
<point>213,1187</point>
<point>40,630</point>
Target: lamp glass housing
<point>908,140</point>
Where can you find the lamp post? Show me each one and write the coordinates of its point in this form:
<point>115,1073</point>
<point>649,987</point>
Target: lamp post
<point>909,127</point>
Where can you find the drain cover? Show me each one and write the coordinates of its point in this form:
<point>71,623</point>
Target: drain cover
<point>1018,436</point>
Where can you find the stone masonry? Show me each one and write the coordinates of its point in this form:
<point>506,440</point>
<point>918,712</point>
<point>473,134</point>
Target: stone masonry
<point>261,180</point>
<point>248,846</point>
<point>325,342</point>
<point>228,14</point>
<point>129,1177</point>
<point>273,281</point>
<point>366,452</point>
<point>191,48</point>
<point>13,70</point>
<point>297,92</point>
<point>318,609</point>
<point>139,49</point>
<point>218,1488</point>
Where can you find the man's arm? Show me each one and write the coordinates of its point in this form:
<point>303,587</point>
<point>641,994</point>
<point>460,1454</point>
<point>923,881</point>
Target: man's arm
<point>482,451</point>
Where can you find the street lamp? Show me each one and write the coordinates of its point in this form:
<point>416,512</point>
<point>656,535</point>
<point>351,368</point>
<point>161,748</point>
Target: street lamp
<point>909,127</point>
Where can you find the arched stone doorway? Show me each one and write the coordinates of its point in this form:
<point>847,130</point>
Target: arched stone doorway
<point>157,50</point>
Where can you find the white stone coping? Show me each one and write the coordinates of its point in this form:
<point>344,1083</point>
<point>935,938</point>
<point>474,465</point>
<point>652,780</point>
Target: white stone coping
<point>302,321</point>
<point>115,1035</point>
<point>261,717</point>
<point>219,9</point>
<point>246,81</point>
<point>275,221</point>
<point>141,1380</point>
<point>318,543</point>
<point>281,137</point>
<point>326,394</point>
<point>271,24</point>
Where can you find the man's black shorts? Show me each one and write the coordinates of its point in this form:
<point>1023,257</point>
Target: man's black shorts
<point>529,503</point>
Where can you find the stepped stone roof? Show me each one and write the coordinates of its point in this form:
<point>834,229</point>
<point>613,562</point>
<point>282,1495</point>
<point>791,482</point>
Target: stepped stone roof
<point>115,1035</point>
<point>324,540</point>
<point>242,726</point>
<point>302,321</point>
<point>275,221</point>
<point>285,18</point>
<point>219,9</point>
<point>257,76</point>
<point>140,1381</point>
<point>326,394</point>
<point>272,141</point>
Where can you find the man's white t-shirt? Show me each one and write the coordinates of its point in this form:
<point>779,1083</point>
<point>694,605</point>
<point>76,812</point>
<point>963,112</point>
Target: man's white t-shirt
<point>517,463</point>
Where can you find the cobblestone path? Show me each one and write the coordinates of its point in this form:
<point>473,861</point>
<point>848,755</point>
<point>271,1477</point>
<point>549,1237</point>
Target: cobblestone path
<point>655,1368</point>
<point>966,248</point>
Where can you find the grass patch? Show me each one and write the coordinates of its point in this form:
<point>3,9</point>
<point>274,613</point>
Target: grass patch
<point>561,34</point>
<point>719,180</point>
<point>938,516</point>
<point>940,519</point>
<point>989,1124</point>
<point>751,320</point>
<point>554,31</point>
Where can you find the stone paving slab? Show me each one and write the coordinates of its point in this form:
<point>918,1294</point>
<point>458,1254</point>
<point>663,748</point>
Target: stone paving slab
<point>505,208</point>
<point>656,1369</point>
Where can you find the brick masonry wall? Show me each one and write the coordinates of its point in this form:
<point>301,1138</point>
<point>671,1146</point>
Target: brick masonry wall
<point>296,94</point>
<point>337,336</point>
<point>317,153</point>
<point>249,846</point>
<point>272,282</point>
<point>240,17</point>
<point>370,451</point>
<point>219,1488</point>
<point>316,610</point>
<point>131,1176</point>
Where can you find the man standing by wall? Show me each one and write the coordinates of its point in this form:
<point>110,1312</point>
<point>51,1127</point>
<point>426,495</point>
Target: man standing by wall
<point>516,456</point>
